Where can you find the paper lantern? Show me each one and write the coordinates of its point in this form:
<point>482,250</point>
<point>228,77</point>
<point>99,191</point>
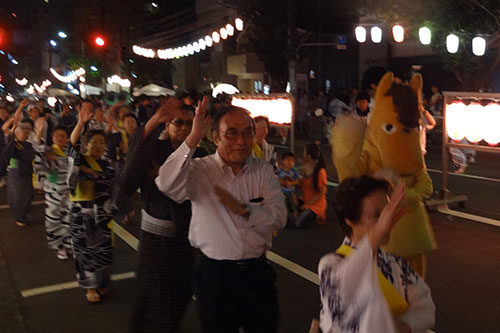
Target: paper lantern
<point>455,120</point>
<point>360,33</point>
<point>398,33</point>
<point>452,42</point>
<point>472,121</point>
<point>425,35</point>
<point>376,34</point>
<point>478,46</point>
<point>277,110</point>
<point>491,128</point>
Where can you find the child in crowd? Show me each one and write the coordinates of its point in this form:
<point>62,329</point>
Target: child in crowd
<point>19,154</point>
<point>289,178</point>
<point>92,211</point>
<point>57,217</point>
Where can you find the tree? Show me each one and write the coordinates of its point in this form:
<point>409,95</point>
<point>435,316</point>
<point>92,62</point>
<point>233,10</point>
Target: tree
<point>266,25</point>
<point>464,18</point>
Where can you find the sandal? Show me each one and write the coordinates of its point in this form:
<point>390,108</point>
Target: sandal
<point>93,296</point>
<point>20,224</point>
<point>102,291</point>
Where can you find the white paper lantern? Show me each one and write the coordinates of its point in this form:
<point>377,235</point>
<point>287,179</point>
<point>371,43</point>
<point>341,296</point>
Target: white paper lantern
<point>455,120</point>
<point>425,35</point>
<point>398,33</point>
<point>452,42</point>
<point>478,46</point>
<point>360,33</point>
<point>472,121</point>
<point>376,34</point>
<point>491,128</point>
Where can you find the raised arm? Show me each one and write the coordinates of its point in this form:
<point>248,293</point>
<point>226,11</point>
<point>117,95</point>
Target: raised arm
<point>173,176</point>
<point>84,116</point>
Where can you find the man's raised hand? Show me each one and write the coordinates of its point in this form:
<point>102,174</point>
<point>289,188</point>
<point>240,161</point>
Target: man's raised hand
<point>201,124</point>
<point>166,111</point>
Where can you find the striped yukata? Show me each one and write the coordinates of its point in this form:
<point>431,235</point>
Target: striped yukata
<point>166,258</point>
<point>91,214</point>
<point>57,204</point>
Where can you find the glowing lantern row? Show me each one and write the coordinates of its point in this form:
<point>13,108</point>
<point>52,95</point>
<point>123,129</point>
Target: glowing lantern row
<point>115,79</point>
<point>22,82</point>
<point>398,33</point>
<point>277,110</point>
<point>473,122</point>
<point>376,34</point>
<point>478,45</point>
<point>191,48</point>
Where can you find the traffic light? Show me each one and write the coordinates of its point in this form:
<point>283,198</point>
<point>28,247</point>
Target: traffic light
<point>99,41</point>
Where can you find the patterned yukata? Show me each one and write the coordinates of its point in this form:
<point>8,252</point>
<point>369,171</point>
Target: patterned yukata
<point>57,203</point>
<point>19,157</point>
<point>90,216</point>
<point>352,299</point>
<point>166,260</point>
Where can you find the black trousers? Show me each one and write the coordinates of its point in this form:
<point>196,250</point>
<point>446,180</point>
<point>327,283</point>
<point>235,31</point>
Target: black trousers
<point>230,294</point>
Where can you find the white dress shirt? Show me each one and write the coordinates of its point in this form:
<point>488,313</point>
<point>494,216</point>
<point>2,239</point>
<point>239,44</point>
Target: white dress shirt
<point>216,231</point>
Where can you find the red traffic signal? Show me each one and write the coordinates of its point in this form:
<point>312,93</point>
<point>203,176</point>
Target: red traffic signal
<point>99,41</point>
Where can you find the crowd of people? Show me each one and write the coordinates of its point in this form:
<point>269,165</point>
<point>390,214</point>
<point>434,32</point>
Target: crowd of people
<point>213,193</point>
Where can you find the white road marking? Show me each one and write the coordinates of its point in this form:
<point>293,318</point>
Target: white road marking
<point>467,176</point>
<point>69,285</point>
<point>445,210</point>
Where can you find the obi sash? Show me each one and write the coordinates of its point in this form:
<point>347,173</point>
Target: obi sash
<point>85,190</point>
<point>53,176</point>
<point>397,303</point>
<point>258,151</point>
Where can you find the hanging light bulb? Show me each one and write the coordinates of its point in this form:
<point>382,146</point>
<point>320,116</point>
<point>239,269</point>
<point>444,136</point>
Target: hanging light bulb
<point>478,46</point>
<point>360,33</point>
<point>376,34</point>
<point>492,120</point>
<point>452,42</point>
<point>425,35</point>
<point>215,37</point>
<point>398,33</point>
<point>239,24</point>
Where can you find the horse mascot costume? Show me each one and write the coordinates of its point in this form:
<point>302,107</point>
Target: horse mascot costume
<point>388,146</point>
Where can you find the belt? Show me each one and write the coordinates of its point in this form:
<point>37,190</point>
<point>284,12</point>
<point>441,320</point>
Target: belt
<point>241,264</point>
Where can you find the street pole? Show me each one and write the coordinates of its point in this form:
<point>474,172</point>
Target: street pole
<point>292,63</point>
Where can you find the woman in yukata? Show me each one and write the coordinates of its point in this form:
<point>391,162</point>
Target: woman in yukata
<point>364,289</point>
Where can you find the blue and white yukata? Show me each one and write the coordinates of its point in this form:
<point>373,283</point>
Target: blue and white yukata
<point>352,299</point>
<point>57,203</point>
<point>91,214</point>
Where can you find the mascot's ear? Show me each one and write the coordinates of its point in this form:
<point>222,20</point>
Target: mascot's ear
<point>384,85</point>
<point>416,84</point>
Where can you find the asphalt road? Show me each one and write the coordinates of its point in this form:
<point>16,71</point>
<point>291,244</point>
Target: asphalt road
<point>463,273</point>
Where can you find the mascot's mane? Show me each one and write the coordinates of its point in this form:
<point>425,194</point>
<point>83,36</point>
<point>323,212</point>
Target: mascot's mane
<point>406,104</point>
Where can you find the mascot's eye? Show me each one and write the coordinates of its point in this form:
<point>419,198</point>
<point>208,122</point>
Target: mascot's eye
<point>389,128</point>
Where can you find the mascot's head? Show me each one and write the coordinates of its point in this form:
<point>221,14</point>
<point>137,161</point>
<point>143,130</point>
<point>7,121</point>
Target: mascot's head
<point>394,124</point>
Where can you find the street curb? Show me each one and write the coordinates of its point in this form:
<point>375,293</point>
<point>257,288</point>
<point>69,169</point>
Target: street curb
<point>11,317</point>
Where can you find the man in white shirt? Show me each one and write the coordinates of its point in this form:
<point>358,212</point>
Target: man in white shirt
<point>236,205</point>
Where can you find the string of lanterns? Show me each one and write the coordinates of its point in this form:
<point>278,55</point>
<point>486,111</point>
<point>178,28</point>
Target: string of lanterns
<point>425,37</point>
<point>191,48</point>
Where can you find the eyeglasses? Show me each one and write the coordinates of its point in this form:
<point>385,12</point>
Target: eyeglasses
<point>179,123</point>
<point>233,134</point>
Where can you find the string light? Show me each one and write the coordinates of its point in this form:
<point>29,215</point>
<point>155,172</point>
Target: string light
<point>398,33</point>
<point>72,76</point>
<point>22,82</point>
<point>376,34</point>
<point>425,35</point>
<point>115,79</point>
<point>478,46</point>
<point>452,42</point>
<point>190,49</point>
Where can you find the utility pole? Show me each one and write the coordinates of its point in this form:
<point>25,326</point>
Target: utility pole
<point>292,64</point>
